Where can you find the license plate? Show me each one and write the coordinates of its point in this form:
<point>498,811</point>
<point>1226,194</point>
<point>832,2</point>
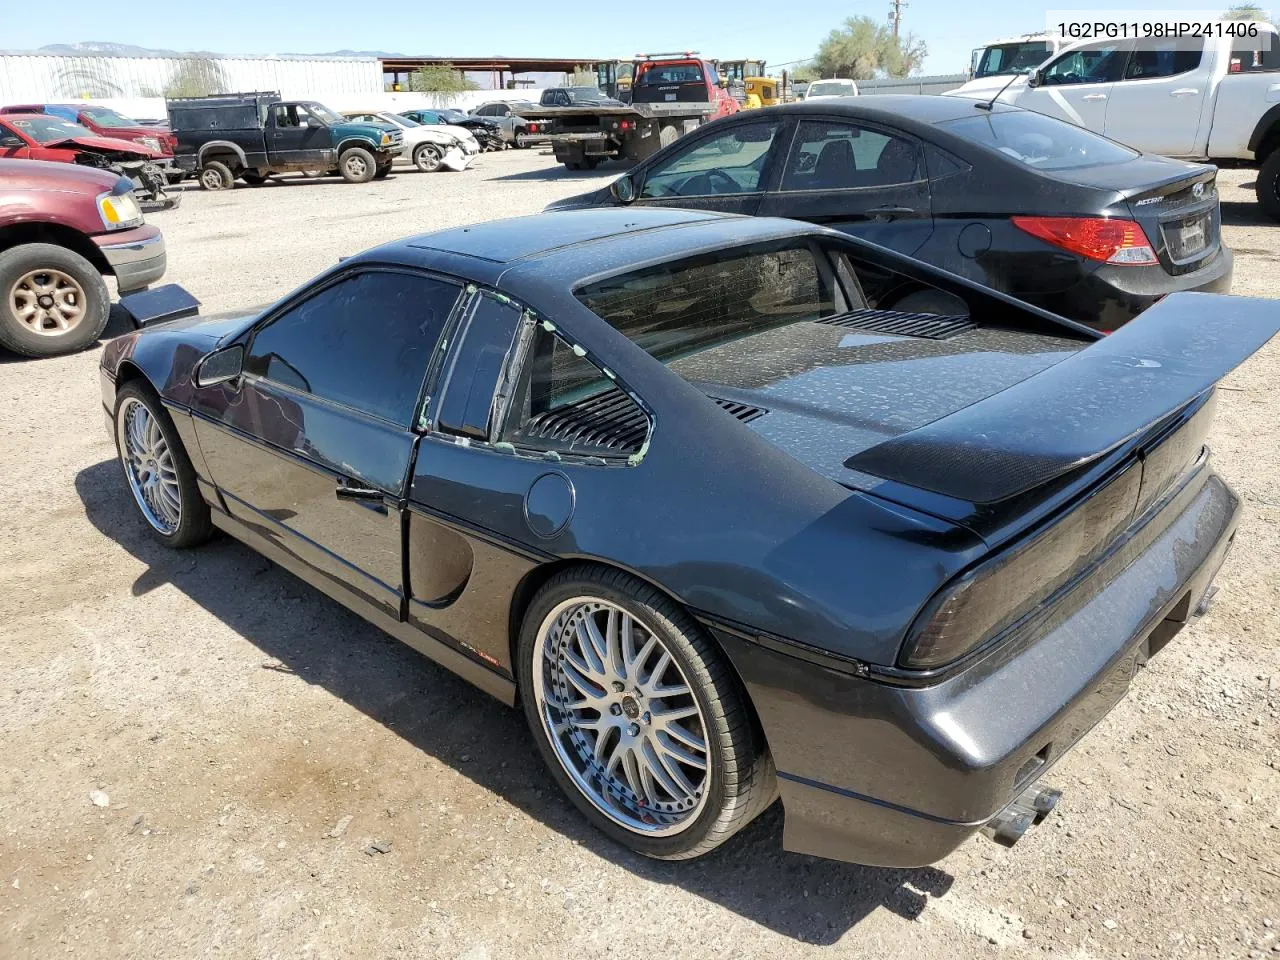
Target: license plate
<point>1187,238</point>
<point>671,96</point>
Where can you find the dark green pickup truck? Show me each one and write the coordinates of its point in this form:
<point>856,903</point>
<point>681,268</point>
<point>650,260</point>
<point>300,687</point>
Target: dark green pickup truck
<point>254,135</point>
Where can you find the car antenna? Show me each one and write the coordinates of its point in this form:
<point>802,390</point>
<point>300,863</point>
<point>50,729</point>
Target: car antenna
<point>988,104</point>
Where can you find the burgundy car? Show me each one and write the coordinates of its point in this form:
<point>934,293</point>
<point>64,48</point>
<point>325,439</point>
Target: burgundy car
<point>63,229</point>
<point>105,122</point>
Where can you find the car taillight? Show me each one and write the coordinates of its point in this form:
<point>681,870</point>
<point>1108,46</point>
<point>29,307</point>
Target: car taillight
<point>532,128</point>
<point>1106,239</point>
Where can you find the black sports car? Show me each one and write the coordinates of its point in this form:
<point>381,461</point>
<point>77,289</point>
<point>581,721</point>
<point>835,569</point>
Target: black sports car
<point>487,131</point>
<point>1026,204</point>
<point>722,528</point>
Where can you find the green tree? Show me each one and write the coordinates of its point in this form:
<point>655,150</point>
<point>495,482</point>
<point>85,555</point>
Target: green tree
<point>861,49</point>
<point>441,78</point>
<point>805,73</point>
<point>1246,11</point>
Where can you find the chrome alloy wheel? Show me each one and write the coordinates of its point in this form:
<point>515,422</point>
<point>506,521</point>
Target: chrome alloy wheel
<point>355,165</point>
<point>621,717</point>
<point>47,302</point>
<point>148,463</point>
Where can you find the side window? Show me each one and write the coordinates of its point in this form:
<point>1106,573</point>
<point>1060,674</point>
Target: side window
<point>364,342</point>
<point>1253,54</point>
<point>1099,63</point>
<point>840,156</point>
<point>731,162</point>
<point>1164,58</point>
<point>564,403</point>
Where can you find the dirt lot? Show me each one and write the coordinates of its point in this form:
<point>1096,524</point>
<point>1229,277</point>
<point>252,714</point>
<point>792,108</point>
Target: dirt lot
<point>235,719</point>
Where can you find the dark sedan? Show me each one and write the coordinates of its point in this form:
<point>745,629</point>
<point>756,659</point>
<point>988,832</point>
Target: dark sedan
<point>722,528</point>
<point>1026,204</point>
<point>486,130</point>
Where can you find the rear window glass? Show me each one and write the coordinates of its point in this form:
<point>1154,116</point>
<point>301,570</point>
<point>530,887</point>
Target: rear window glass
<point>828,88</point>
<point>677,309</point>
<point>1039,141</point>
<point>671,73</point>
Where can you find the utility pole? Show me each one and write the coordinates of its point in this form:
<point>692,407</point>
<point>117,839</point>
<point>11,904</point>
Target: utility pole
<point>895,15</point>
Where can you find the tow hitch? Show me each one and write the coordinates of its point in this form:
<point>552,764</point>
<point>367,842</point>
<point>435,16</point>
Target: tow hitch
<point>1028,810</point>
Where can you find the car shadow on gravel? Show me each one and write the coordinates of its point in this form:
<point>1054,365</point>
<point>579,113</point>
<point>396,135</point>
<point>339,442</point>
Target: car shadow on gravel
<point>1237,213</point>
<point>606,171</point>
<point>303,632</point>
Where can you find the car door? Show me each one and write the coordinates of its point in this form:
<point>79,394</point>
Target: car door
<point>1159,102</point>
<point>726,169</point>
<point>13,146</point>
<point>297,137</point>
<point>311,445</point>
<point>1077,85</point>
<point>865,180</point>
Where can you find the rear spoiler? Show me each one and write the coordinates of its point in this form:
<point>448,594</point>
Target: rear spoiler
<point>159,305</point>
<point>1083,407</point>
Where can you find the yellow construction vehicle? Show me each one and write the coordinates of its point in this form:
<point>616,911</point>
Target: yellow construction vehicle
<point>761,92</point>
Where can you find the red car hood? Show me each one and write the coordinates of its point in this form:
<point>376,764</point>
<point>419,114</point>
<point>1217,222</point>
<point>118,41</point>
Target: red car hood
<point>107,143</point>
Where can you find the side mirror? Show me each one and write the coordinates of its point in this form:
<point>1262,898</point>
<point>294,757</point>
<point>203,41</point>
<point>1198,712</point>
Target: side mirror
<point>1035,79</point>
<point>10,142</point>
<point>623,189</point>
<point>220,366</point>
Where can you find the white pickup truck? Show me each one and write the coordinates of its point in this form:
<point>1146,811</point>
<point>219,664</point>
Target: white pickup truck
<point>1200,98</point>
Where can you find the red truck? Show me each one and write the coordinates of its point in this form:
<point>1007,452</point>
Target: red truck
<point>63,229</point>
<point>671,94</point>
<point>105,122</point>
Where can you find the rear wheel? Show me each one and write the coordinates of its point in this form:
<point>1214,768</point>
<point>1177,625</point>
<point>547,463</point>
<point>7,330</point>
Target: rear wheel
<point>253,179</point>
<point>667,136</point>
<point>157,469</point>
<point>1268,185</point>
<point>639,717</point>
<point>55,301</point>
<point>427,158</point>
<point>357,165</point>
<point>216,175</point>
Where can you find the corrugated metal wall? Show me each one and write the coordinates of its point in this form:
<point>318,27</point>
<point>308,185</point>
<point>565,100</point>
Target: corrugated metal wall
<point>37,78</point>
<point>939,83</point>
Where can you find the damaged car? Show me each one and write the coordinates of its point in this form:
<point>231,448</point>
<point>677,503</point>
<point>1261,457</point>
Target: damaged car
<point>726,528</point>
<point>428,148</point>
<point>38,136</point>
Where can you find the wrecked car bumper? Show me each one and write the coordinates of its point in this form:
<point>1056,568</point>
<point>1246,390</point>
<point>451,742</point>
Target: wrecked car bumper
<point>455,159</point>
<point>137,257</point>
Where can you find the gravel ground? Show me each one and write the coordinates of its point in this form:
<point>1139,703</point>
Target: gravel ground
<point>252,741</point>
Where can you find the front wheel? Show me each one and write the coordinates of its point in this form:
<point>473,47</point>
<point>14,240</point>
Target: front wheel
<point>383,171</point>
<point>427,158</point>
<point>55,301</point>
<point>357,165</point>
<point>216,175</point>
<point>158,470</point>
<point>638,715</point>
<point>1268,185</point>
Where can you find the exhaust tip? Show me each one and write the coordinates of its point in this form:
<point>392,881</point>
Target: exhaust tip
<point>1029,810</point>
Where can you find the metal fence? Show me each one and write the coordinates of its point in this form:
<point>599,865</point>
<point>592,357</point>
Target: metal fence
<point>938,83</point>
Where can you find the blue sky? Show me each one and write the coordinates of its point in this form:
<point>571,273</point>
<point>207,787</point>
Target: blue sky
<point>507,27</point>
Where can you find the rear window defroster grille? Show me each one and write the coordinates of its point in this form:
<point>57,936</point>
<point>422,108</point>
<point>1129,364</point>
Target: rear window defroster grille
<point>609,421</point>
<point>931,326</point>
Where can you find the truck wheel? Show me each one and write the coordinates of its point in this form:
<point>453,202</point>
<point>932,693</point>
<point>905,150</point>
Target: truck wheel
<point>253,179</point>
<point>667,136</point>
<point>1268,185</point>
<point>54,300</point>
<point>357,165</point>
<point>590,163</point>
<point>216,175</point>
<point>427,158</point>
<point>383,171</point>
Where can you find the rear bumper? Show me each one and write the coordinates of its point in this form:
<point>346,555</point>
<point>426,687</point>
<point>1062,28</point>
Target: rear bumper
<point>876,773</point>
<point>137,257</point>
<point>1111,296</point>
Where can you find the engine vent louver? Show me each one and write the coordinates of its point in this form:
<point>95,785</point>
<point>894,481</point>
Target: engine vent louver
<point>931,326</point>
<point>745,412</point>
<point>607,422</point>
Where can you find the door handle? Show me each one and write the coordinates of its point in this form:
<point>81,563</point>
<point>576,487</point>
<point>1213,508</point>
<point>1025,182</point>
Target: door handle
<point>1184,92</point>
<point>1094,96</point>
<point>365,496</point>
<point>889,212</point>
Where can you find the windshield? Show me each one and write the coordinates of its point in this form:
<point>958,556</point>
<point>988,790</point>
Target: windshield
<point>49,129</point>
<point>453,116</point>
<point>829,88</point>
<point>1039,141</point>
<point>1007,58</point>
<point>107,118</point>
<point>678,309</point>
<point>665,73</point>
<point>395,121</point>
<point>321,112</point>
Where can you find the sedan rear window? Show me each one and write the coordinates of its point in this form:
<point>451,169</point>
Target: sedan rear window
<point>1039,141</point>
<point>677,309</point>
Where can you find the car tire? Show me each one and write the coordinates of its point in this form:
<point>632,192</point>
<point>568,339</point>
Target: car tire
<point>383,171</point>
<point>80,306</point>
<point>667,136</point>
<point>737,780</point>
<point>144,430</point>
<point>932,301</point>
<point>427,158</point>
<point>1267,185</point>
<point>573,164</point>
<point>590,163</point>
<point>253,179</point>
<point>357,165</point>
<point>216,175</point>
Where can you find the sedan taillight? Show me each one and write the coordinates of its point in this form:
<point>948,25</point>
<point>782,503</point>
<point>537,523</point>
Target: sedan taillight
<point>1105,239</point>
